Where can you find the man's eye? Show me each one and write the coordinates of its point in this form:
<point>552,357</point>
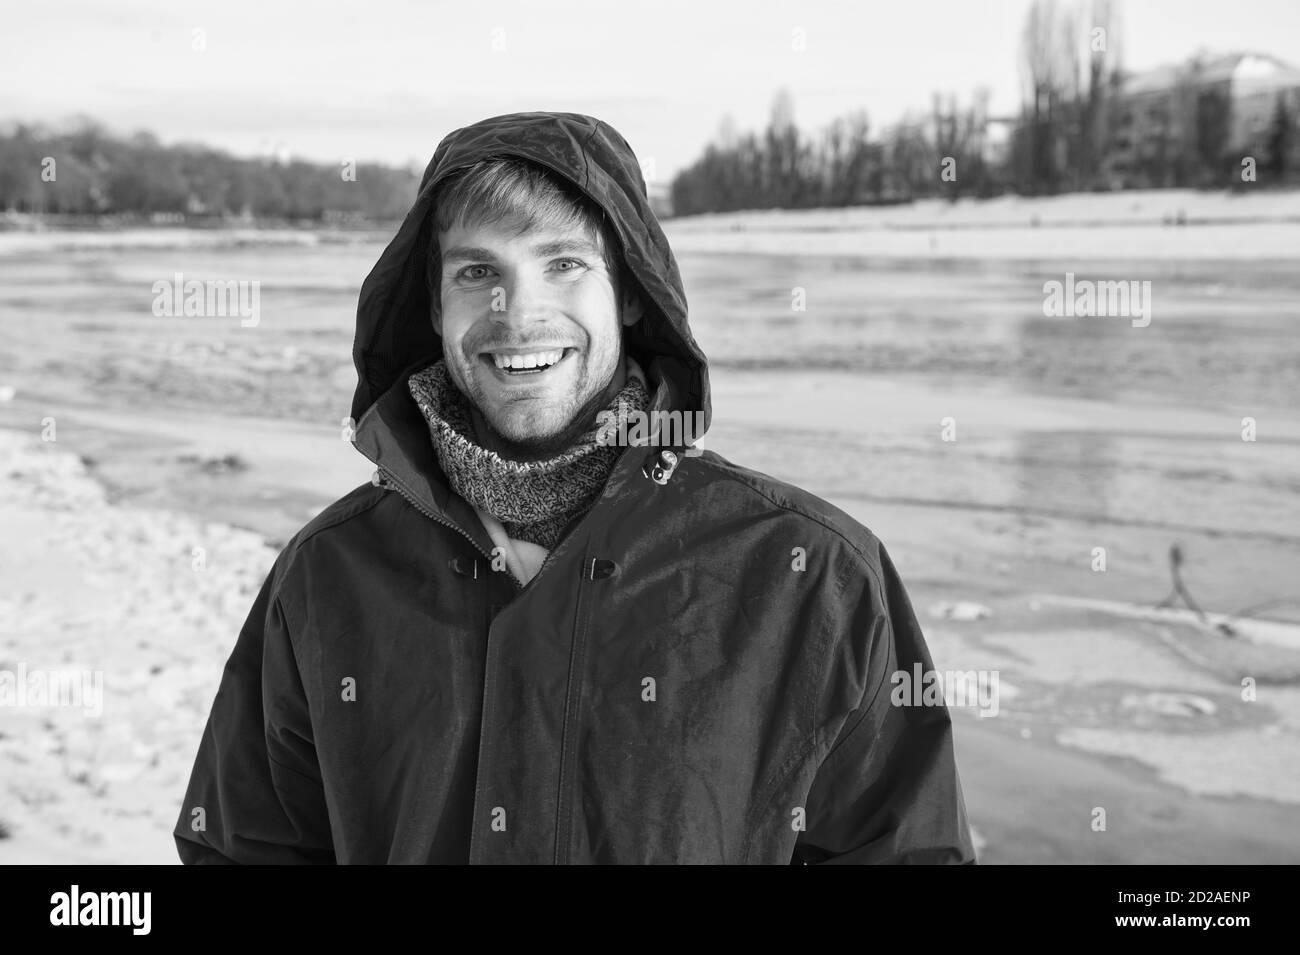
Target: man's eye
<point>575,263</point>
<point>474,272</point>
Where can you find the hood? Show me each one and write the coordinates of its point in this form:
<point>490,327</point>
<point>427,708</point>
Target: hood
<point>395,336</point>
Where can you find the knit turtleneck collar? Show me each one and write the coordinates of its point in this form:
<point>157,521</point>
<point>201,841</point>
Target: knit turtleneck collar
<point>534,500</point>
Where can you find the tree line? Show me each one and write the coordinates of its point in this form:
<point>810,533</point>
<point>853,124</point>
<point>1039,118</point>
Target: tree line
<point>1077,129</point>
<point>844,165</point>
<point>84,170</point>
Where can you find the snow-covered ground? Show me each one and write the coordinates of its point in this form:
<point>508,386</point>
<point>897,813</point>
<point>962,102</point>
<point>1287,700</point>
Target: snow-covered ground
<point>145,604</point>
<point>1136,207</point>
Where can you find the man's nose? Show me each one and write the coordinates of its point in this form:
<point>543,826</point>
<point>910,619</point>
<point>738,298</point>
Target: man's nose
<point>522,300</point>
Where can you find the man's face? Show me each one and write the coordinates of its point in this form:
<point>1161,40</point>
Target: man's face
<point>531,331</point>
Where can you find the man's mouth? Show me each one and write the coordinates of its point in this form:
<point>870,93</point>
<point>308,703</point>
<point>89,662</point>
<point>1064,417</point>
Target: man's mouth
<point>524,363</point>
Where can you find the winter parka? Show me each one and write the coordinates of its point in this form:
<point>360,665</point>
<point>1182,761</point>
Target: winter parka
<point>699,673</point>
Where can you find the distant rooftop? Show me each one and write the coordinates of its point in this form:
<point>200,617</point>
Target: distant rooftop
<point>1238,68</point>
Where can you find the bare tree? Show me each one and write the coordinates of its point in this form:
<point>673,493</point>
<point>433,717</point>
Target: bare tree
<point>1050,76</point>
<point>1102,37</point>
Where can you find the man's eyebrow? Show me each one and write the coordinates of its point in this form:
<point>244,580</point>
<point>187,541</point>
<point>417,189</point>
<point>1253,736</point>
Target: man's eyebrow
<point>560,246</point>
<point>466,253</point>
<point>474,253</point>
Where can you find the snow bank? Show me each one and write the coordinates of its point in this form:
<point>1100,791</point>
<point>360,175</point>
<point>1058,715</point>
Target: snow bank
<point>150,601</point>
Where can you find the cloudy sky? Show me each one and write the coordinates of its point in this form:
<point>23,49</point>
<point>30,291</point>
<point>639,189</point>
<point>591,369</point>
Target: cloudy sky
<point>386,79</point>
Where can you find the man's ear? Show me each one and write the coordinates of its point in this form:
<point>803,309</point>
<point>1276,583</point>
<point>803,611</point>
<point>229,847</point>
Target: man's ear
<point>633,310</point>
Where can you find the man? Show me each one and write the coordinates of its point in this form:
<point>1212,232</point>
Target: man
<point>533,639</point>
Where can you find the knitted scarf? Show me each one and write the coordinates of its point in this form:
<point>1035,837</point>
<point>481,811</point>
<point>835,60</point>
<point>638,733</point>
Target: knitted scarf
<point>533,500</point>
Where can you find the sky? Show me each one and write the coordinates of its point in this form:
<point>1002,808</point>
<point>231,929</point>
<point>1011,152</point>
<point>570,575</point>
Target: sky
<point>386,79</point>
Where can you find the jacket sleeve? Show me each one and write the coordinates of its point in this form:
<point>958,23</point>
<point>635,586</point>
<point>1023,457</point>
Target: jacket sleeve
<point>255,794</point>
<point>888,791</point>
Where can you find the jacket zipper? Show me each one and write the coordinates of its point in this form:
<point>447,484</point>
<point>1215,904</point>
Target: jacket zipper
<point>387,480</point>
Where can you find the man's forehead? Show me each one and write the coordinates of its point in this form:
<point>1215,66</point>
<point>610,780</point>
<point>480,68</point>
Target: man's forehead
<point>490,240</point>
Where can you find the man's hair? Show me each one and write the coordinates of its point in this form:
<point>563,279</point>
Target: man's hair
<point>500,189</point>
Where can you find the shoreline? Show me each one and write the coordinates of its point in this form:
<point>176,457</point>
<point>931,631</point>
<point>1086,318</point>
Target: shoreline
<point>1159,225</point>
<point>1014,244</point>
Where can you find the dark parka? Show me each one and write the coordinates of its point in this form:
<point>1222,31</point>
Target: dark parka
<point>677,684</point>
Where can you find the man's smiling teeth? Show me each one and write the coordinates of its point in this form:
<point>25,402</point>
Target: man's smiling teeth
<point>540,359</point>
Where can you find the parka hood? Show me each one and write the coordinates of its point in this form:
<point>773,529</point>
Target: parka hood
<point>395,335</point>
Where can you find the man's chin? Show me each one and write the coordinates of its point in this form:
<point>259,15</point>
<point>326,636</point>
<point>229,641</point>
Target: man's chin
<point>534,434</point>
<point>534,441</point>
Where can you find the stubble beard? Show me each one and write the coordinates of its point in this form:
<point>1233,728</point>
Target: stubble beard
<point>541,447</point>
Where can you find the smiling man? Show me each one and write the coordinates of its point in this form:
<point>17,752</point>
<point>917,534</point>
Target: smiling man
<point>527,642</point>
